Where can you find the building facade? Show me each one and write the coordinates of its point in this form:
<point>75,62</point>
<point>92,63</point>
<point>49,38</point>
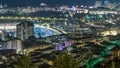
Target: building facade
<point>98,3</point>
<point>24,30</point>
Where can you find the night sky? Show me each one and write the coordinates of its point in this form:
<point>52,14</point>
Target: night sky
<point>16,3</point>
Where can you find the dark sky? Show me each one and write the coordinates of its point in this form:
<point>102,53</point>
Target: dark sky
<point>16,3</point>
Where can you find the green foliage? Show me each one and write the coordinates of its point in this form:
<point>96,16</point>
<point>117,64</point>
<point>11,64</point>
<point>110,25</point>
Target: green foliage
<point>113,64</point>
<point>65,61</point>
<point>117,43</point>
<point>25,62</point>
<point>93,61</point>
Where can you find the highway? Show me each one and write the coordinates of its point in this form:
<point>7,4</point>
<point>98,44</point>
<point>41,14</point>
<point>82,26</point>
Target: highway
<point>29,18</point>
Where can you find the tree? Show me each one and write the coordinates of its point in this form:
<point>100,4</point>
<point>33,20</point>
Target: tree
<point>65,61</point>
<point>25,62</point>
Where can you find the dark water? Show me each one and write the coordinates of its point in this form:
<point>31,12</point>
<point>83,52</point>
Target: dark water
<point>21,3</point>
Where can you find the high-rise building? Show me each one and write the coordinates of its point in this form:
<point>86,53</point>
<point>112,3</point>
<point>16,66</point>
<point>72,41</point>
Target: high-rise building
<point>98,3</point>
<point>24,30</point>
<point>106,2</point>
<point>13,44</point>
<point>109,5</point>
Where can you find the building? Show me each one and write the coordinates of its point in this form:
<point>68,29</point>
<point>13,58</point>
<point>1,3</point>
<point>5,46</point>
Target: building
<point>1,35</point>
<point>98,4</point>
<point>110,5</point>
<point>14,44</point>
<point>24,30</point>
<point>106,2</point>
<point>7,29</point>
<point>103,12</point>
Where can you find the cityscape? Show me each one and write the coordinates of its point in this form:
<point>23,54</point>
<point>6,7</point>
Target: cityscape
<point>59,34</point>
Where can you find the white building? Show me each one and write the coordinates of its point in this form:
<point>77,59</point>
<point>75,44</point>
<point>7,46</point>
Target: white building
<point>102,12</point>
